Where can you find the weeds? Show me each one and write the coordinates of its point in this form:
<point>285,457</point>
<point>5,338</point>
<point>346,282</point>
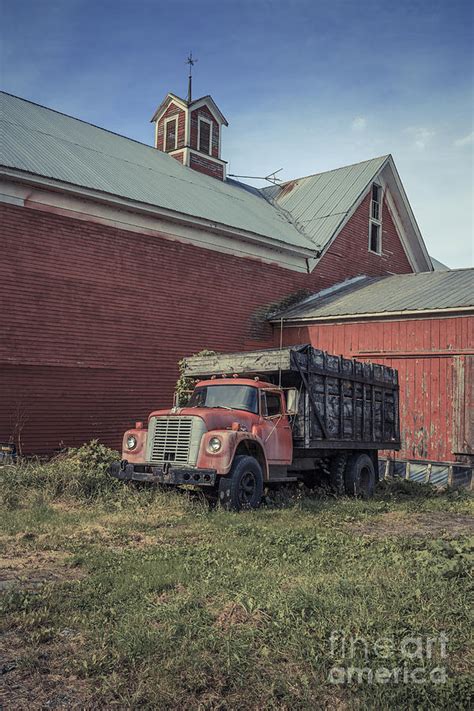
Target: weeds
<point>165,603</point>
<point>79,473</point>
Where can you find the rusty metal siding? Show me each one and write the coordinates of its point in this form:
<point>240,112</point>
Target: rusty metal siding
<point>434,359</point>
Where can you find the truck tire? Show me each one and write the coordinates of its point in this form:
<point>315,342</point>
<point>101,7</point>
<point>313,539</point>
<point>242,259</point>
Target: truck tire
<point>337,469</point>
<point>360,476</point>
<point>243,487</point>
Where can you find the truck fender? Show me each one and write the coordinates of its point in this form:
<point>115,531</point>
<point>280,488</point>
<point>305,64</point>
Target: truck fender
<point>138,454</point>
<point>233,444</point>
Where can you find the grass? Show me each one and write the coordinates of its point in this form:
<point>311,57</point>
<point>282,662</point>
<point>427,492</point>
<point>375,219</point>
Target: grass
<point>122,598</point>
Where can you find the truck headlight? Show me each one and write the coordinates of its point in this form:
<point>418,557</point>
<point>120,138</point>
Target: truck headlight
<point>131,442</point>
<point>214,445</point>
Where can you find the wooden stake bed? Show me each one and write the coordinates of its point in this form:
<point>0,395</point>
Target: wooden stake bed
<point>344,403</point>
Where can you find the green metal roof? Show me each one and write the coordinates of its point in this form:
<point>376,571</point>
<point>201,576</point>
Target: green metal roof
<point>38,140</point>
<point>303,213</point>
<point>320,203</point>
<point>425,291</point>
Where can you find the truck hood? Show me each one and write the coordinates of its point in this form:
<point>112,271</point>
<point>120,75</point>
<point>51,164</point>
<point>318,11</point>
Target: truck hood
<point>215,418</point>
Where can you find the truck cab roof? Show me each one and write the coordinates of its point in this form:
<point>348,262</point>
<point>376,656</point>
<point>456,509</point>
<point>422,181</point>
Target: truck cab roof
<point>237,381</point>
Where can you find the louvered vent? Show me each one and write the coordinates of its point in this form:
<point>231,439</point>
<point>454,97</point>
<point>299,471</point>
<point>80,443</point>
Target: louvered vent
<point>174,439</point>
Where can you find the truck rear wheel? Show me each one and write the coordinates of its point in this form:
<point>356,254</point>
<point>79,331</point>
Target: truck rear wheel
<point>337,468</point>
<point>360,476</point>
<point>243,487</point>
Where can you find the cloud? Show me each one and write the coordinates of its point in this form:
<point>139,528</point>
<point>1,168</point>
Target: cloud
<point>465,141</point>
<point>422,136</point>
<point>359,123</point>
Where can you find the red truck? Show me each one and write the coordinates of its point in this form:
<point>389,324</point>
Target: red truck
<point>269,417</point>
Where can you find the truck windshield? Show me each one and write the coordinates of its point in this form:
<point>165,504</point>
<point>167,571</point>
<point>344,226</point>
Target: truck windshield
<point>231,397</point>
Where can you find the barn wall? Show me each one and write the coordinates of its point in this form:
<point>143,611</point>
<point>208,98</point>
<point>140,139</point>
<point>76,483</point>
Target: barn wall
<point>434,359</point>
<point>349,253</point>
<point>96,318</point>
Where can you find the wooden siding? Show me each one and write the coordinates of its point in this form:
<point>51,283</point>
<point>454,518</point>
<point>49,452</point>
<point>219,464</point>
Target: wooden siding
<point>96,318</point>
<point>435,375</point>
<point>204,165</point>
<point>171,111</point>
<point>204,111</point>
<point>349,254</point>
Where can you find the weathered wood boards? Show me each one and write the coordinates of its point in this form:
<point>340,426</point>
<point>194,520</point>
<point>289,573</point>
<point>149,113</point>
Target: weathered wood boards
<point>345,401</point>
<point>249,363</point>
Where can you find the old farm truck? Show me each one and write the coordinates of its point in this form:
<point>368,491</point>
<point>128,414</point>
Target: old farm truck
<point>269,417</point>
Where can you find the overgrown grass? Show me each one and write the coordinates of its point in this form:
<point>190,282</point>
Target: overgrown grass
<point>161,603</point>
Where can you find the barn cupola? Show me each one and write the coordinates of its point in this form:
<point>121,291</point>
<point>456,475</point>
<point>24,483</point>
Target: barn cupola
<point>190,131</point>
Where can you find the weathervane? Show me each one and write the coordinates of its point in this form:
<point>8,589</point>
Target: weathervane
<point>191,63</point>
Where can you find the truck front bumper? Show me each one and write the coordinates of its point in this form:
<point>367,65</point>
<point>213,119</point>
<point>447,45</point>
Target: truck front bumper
<point>166,474</point>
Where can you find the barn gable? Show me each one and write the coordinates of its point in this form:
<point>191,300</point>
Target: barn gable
<point>321,205</point>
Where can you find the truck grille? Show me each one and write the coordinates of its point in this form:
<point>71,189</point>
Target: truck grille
<point>174,439</point>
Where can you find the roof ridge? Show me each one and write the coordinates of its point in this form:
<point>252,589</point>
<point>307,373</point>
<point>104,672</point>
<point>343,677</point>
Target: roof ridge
<point>435,271</point>
<point>332,170</point>
<point>74,118</point>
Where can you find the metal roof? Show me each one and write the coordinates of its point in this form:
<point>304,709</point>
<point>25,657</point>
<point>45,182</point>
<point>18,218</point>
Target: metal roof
<point>184,102</point>
<point>439,266</point>
<point>320,203</point>
<point>425,291</point>
<point>38,140</point>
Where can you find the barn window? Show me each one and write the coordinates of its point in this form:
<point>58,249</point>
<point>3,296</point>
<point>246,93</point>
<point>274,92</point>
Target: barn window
<point>375,238</point>
<point>375,221</point>
<point>204,135</point>
<point>171,134</point>
<point>376,202</point>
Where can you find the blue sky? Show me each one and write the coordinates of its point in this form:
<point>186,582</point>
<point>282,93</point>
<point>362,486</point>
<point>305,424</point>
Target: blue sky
<point>305,85</point>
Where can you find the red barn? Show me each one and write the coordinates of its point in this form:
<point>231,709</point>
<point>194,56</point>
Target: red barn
<point>422,325</point>
<point>120,258</point>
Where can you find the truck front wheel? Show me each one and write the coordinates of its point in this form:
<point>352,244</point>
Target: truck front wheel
<point>243,487</point>
<point>360,476</point>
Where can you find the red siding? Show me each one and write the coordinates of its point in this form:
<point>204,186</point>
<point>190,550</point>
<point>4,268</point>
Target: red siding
<point>96,318</point>
<point>349,255</point>
<point>172,110</point>
<point>434,362</point>
<point>204,111</point>
<point>204,165</point>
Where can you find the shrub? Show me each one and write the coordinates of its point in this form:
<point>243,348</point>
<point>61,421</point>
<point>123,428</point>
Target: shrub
<point>80,473</point>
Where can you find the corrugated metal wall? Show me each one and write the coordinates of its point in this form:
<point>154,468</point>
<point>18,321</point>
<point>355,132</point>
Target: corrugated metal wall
<point>434,358</point>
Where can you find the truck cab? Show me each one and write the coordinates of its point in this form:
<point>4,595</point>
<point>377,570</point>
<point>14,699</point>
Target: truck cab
<point>228,425</point>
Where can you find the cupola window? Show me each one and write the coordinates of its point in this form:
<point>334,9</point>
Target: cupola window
<point>204,135</point>
<point>171,134</point>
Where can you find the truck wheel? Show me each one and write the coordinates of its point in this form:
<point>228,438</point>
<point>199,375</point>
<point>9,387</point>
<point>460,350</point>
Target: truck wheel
<point>243,487</point>
<point>337,468</point>
<point>360,476</point>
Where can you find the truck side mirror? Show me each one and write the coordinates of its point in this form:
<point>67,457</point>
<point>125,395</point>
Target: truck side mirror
<point>292,397</point>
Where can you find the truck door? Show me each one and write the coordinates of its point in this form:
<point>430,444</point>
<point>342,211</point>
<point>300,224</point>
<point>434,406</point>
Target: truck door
<point>275,428</point>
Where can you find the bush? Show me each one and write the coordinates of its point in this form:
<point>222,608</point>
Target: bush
<point>81,473</point>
